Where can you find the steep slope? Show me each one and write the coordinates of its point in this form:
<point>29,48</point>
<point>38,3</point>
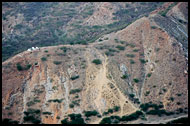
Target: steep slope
<point>50,86</point>
<point>142,69</point>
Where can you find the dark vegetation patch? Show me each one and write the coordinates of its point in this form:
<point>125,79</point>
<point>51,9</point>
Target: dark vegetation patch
<point>57,62</point>
<point>21,68</point>
<point>136,80</point>
<point>183,120</point>
<point>124,76</point>
<point>157,109</point>
<point>73,119</point>
<point>142,61</point>
<point>149,74</point>
<point>130,55</point>
<point>9,121</point>
<point>132,61</point>
<point>97,61</point>
<point>90,113</point>
<point>46,113</point>
<point>50,29</point>
<point>119,47</point>
<point>73,91</point>
<point>56,100</point>
<point>44,59</point>
<point>112,110</point>
<point>74,77</point>
<point>32,115</point>
<point>125,118</point>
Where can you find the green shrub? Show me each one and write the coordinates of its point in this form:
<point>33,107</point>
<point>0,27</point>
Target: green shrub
<point>28,66</point>
<point>100,40</point>
<point>116,108</point>
<point>136,80</point>
<point>73,91</point>
<point>132,61</point>
<point>56,100</point>
<point>156,112</point>
<point>19,67</point>
<point>105,113</point>
<point>106,120</point>
<point>157,49</point>
<point>116,40</point>
<point>97,61</point>
<point>64,49</point>
<point>57,117</point>
<point>142,61</point>
<point>149,74</point>
<point>180,110</point>
<point>146,106</point>
<point>64,121</point>
<point>90,113</point>
<point>122,42</point>
<point>130,55</point>
<point>110,110</point>
<point>30,110</point>
<point>135,50</point>
<point>10,113</point>
<point>153,27</point>
<point>74,77</point>
<point>99,116</point>
<point>178,94</point>
<point>57,62</point>
<point>44,59</point>
<point>136,100</point>
<point>76,96</point>
<point>132,45</point>
<point>178,103</point>
<point>71,106</point>
<point>32,115</point>
<point>164,89</point>
<point>147,93</point>
<point>112,50</point>
<point>120,47</point>
<point>172,99</point>
<point>9,121</point>
<point>133,116</point>
<point>74,119</point>
<point>76,102</point>
<point>132,95</point>
<point>37,100</point>
<point>46,113</point>
<point>46,51</point>
<point>124,76</point>
<point>109,53</point>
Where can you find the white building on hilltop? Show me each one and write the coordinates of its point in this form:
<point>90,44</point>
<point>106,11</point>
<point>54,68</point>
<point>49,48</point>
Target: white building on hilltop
<point>29,50</point>
<point>33,48</point>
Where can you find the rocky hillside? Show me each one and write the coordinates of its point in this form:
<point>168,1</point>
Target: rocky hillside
<point>137,73</point>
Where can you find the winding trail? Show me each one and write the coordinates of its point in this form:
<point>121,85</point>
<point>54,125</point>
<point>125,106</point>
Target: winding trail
<point>101,84</point>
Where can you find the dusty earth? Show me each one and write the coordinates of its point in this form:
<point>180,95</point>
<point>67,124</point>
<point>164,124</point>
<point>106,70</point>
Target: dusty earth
<point>164,74</point>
